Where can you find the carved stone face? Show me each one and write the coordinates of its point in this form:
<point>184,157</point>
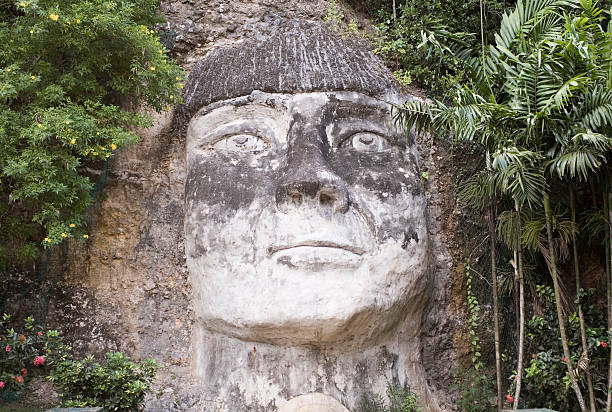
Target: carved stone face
<point>305,219</point>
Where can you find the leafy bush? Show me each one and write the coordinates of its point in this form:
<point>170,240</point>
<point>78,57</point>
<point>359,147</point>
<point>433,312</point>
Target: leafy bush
<point>120,385</point>
<point>400,37</point>
<point>72,74</point>
<point>546,381</point>
<point>24,354</point>
<point>475,390</point>
<point>399,400</point>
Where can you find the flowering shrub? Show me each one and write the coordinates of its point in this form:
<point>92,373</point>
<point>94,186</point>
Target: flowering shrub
<point>72,74</point>
<point>120,385</point>
<point>26,353</point>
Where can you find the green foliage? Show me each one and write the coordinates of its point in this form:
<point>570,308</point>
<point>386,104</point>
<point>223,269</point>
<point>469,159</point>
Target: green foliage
<point>400,37</point>
<point>25,353</point>
<point>472,324</point>
<point>336,21</point>
<point>72,74</point>
<point>475,390</point>
<point>399,400</point>
<point>546,382</point>
<point>473,385</point>
<point>120,385</point>
<point>333,17</point>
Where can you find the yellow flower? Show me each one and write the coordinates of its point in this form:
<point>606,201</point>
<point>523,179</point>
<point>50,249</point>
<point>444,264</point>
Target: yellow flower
<point>47,240</point>
<point>67,122</point>
<point>22,4</point>
<point>85,236</point>
<point>32,31</point>
<point>64,235</point>
<point>39,125</point>
<point>101,147</point>
<point>178,78</point>
<point>86,152</point>
<point>107,155</point>
<point>181,85</point>
<point>78,21</point>
<point>171,97</point>
<point>73,141</point>
<point>95,153</point>
<point>72,225</point>
<point>152,68</point>
<point>8,70</point>
<point>53,16</point>
<point>32,77</point>
<point>113,146</point>
<point>160,51</point>
<point>97,133</point>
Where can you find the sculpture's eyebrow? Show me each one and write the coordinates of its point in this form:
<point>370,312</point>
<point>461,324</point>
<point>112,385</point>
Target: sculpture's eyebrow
<point>347,108</point>
<point>375,117</point>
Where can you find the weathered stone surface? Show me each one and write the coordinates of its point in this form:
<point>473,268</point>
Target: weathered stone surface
<point>295,57</point>
<point>196,27</point>
<point>129,287</point>
<point>313,402</point>
<point>305,218</point>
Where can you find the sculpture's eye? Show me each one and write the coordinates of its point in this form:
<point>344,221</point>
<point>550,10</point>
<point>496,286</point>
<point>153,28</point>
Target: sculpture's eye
<point>366,142</point>
<point>241,143</point>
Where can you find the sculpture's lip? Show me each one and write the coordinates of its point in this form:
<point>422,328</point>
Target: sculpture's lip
<point>317,243</point>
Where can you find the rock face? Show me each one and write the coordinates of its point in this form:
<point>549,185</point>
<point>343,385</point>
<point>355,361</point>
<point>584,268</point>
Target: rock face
<point>271,239</point>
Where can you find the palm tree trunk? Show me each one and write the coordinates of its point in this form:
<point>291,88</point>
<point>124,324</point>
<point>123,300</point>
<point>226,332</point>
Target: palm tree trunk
<point>518,265</point>
<point>609,210</point>
<point>572,195</point>
<point>493,242</point>
<point>553,270</point>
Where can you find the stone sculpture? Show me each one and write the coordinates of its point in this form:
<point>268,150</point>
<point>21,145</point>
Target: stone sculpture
<point>305,229</point>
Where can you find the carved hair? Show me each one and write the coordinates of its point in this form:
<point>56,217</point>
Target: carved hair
<point>298,56</point>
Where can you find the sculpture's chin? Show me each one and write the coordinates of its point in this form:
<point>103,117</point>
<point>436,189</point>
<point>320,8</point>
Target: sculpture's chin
<point>303,296</point>
<point>348,329</point>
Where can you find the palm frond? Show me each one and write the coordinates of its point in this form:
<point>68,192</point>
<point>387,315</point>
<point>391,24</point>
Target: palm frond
<point>518,174</point>
<point>582,155</point>
<point>414,114</point>
<point>595,225</point>
<point>596,112</point>
<point>524,19</point>
<point>509,225</point>
<point>477,190</point>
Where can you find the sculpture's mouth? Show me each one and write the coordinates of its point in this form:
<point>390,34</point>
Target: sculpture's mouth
<point>317,244</point>
<point>317,255</point>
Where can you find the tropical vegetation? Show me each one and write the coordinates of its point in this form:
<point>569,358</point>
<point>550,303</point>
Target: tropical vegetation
<point>66,108</point>
<point>539,101</point>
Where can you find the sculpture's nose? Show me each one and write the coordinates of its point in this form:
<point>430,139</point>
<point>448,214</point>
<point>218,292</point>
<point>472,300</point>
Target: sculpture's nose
<point>308,179</point>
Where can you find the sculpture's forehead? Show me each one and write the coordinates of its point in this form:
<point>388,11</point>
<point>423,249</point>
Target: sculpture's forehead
<point>302,101</point>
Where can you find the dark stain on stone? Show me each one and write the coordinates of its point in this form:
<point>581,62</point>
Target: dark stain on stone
<point>408,236</point>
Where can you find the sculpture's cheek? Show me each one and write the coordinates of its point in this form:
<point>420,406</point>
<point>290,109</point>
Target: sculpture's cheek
<point>229,182</point>
<point>385,174</point>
